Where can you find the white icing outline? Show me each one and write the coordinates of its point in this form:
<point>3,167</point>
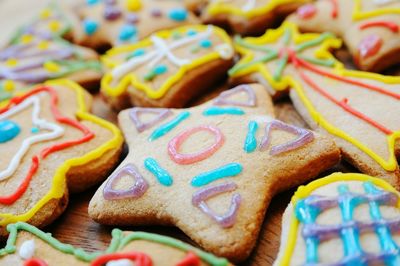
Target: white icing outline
<point>56,131</point>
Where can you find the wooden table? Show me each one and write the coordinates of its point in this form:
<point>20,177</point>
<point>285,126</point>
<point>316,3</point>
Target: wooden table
<point>76,228</point>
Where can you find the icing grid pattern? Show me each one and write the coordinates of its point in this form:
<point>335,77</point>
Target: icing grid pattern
<point>350,230</point>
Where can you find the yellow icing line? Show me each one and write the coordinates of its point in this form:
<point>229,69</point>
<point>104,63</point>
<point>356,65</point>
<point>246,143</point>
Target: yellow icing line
<point>219,7</point>
<point>272,36</point>
<point>359,14</point>
<point>305,191</point>
<point>59,180</point>
<point>131,79</point>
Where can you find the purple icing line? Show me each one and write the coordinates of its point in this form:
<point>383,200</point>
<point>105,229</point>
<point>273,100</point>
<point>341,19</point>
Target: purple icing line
<point>222,99</point>
<point>14,51</point>
<point>132,18</point>
<point>304,137</point>
<point>136,191</point>
<point>226,220</point>
<point>112,12</point>
<point>161,113</point>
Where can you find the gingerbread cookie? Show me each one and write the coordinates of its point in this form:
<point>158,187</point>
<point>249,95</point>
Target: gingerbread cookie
<point>199,169</point>
<point>32,60</point>
<point>109,23</point>
<point>167,69</point>
<point>370,28</point>
<point>358,108</point>
<point>27,245</point>
<point>53,146</point>
<point>245,17</point>
<point>342,219</point>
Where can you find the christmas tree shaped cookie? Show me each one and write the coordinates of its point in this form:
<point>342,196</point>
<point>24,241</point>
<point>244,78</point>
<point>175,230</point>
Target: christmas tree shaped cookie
<point>200,169</point>
<point>358,108</point>
<point>109,23</point>
<point>370,28</point>
<point>53,145</point>
<point>27,245</point>
<point>167,69</point>
<point>342,219</point>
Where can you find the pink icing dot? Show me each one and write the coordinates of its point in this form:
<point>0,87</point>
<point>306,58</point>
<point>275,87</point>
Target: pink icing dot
<point>176,142</point>
<point>306,11</point>
<point>370,45</point>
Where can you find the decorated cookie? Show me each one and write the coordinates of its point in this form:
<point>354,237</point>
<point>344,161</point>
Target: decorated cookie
<point>370,28</point>
<point>53,145</point>
<point>167,69</point>
<point>200,169</point>
<point>342,219</point>
<point>33,60</point>
<point>107,23</point>
<point>358,108</point>
<point>246,17</point>
<point>29,246</point>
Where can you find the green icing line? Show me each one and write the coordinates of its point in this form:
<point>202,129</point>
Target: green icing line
<point>264,59</point>
<point>321,62</point>
<point>118,242</point>
<point>207,257</point>
<point>72,66</point>
<point>243,43</point>
<point>287,37</point>
<point>281,66</point>
<point>301,47</point>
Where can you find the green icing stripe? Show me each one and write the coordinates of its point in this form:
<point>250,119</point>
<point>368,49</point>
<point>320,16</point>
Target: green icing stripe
<point>118,242</point>
<point>281,66</point>
<point>316,61</point>
<point>264,59</point>
<point>72,66</point>
<point>317,41</point>
<point>287,37</point>
<point>207,257</point>
<point>243,43</point>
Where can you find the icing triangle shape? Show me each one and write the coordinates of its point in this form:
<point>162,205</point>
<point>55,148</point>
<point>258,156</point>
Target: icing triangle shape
<point>303,136</point>
<point>134,114</point>
<point>223,98</point>
<point>135,191</point>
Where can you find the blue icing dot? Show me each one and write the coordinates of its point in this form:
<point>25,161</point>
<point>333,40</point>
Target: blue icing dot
<point>138,52</point>
<point>92,2</point>
<point>34,130</point>
<point>205,43</point>
<point>191,32</point>
<point>8,130</point>
<point>90,26</point>
<point>127,31</point>
<point>178,14</point>
<point>160,69</point>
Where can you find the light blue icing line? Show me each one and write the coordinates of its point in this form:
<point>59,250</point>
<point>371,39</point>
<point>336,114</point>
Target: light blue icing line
<point>231,169</point>
<point>167,127</point>
<point>223,111</point>
<point>161,174</point>
<point>8,130</point>
<point>250,144</point>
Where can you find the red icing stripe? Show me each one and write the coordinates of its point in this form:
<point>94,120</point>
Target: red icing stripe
<point>381,23</point>
<point>370,45</point>
<point>88,135</point>
<point>139,258</point>
<point>334,12</point>
<point>191,259</point>
<point>343,104</point>
<point>35,262</point>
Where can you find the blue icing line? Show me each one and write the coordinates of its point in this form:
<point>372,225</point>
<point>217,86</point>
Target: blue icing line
<point>205,43</point>
<point>250,144</point>
<point>34,130</point>
<point>90,26</point>
<point>191,32</point>
<point>223,111</point>
<point>137,52</point>
<point>8,130</point>
<point>161,174</point>
<point>167,127</point>
<point>127,31</point>
<point>231,169</point>
<point>160,69</point>
<point>92,2</point>
<point>178,14</point>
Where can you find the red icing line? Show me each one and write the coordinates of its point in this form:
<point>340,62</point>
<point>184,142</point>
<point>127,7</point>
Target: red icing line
<point>380,23</point>
<point>334,12</point>
<point>370,45</point>
<point>343,104</point>
<point>191,259</point>
<point>140,259</point>
<point>88,135</point>
<point>306,11</point>
<point>35,262</point>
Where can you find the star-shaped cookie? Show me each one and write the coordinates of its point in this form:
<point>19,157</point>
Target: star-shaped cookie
<point>370,28</point>
<point>53,145</point>
<point>28,245</point>
<point>210,170</point>
<point>358,108</point>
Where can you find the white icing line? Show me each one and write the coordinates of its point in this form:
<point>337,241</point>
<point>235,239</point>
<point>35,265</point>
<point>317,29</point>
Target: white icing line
<point>122,262</point>
<point>250,4</point>
<point>27,249</point>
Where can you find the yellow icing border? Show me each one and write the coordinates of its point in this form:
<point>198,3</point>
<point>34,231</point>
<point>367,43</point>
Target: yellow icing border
<point>217,8</point>
<point>305,191</point>
<point>358,14</point>
<point>57,190</point>
<point>132,79</point>
<point>272,36</point>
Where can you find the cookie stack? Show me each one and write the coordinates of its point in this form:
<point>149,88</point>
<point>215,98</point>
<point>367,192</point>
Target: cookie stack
<point>196,85</point>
